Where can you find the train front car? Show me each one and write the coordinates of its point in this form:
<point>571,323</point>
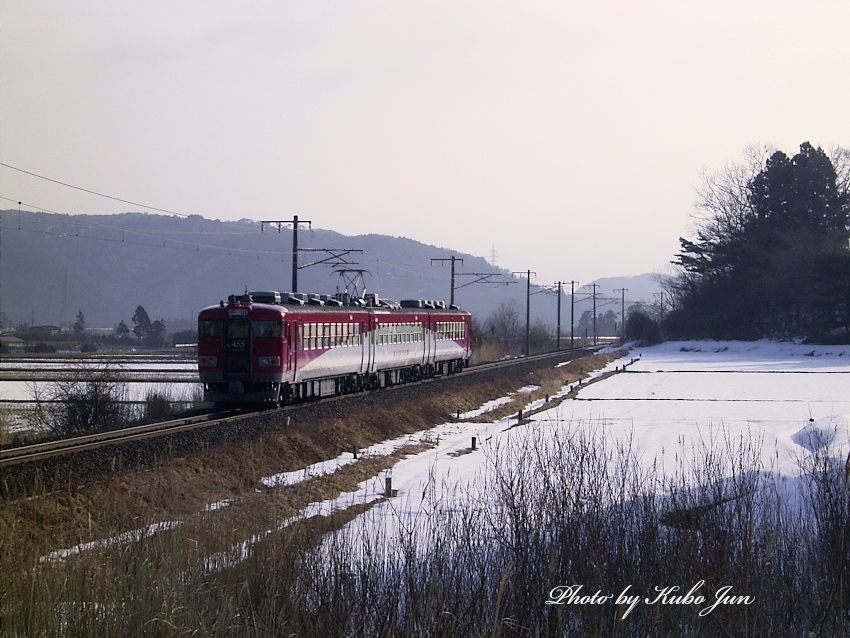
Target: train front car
<point>242,347</point>
<point>272,348</point>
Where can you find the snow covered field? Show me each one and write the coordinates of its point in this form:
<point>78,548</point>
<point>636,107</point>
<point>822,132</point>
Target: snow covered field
<point>677,398</point>
<point>673,400</point>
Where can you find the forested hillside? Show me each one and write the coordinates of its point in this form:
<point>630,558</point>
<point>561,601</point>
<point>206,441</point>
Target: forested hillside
<point>56,265</point>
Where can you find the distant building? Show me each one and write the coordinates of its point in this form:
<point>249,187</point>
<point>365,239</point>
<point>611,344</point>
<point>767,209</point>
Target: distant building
<point>12,344</point>
<point>53,331</point>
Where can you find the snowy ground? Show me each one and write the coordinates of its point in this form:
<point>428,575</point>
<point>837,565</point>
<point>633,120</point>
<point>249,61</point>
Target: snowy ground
<point>676,398</point>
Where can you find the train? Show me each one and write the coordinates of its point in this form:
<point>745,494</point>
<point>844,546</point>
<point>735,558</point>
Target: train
<point>273,348</point>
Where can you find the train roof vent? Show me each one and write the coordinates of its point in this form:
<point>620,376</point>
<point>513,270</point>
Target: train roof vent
<point>295,298</point>
<point>440,304</point>
<point>411,303</point>
<point>315,301</point>
<point>266,296</point>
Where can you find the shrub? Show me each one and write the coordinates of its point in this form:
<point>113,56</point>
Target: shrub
<point>91,398</point>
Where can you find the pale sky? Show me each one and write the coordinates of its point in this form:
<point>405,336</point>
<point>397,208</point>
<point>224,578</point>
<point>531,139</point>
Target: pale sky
<point>567,136</point>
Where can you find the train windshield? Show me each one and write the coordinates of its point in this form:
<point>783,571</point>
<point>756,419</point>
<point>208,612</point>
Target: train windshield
<point>210,329</point>
<point>268,329</point>
<point>238,329</point>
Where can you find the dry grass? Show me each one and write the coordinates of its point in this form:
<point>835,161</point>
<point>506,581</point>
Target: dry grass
<point>180,489</point>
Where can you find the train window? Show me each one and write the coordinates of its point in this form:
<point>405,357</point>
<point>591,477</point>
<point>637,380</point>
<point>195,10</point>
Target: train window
<point>238,329</point>
<point>268,329</point>
<point>210,329</point>
<point>451,330</point>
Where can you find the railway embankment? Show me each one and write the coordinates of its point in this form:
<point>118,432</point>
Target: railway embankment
<point>103,493</point>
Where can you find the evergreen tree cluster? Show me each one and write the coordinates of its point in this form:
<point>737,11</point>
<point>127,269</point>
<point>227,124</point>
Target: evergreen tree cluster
<point>148,332</point>
<point>771,258</point>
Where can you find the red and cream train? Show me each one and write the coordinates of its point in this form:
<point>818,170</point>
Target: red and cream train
<point>275,348</point>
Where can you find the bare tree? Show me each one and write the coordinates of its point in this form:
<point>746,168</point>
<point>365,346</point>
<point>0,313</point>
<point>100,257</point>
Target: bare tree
<point>91,398</point>
<point>506,326</point>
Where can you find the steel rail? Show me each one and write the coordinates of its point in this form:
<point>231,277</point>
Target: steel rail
<point>40,451</point>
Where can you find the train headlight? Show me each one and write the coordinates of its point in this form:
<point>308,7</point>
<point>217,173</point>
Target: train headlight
<point>207,361</point>
<point>268,362</point>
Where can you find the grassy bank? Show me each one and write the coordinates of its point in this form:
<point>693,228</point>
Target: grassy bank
<point>580,509</point>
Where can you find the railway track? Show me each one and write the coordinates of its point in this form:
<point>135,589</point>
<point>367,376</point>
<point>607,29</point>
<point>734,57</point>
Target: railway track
<point>41,451</point>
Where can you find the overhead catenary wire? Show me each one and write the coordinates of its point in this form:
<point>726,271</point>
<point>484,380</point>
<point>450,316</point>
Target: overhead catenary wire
<point>408,271</point>
<point>157,238</point>
<point>412,271</point>
<point>125,236</point>
<point>92,192</point>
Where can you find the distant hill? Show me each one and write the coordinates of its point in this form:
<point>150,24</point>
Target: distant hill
<point>638,287</point>
<point>52,266</point>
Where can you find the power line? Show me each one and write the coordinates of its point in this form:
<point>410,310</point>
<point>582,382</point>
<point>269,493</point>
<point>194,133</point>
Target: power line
<point>124,232</point>
<point>91,192</point>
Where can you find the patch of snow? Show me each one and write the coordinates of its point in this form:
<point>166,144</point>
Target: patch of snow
<point>133,536</point>
<point>529,388</point>
<point>212,507</point>
<point>487,407</point>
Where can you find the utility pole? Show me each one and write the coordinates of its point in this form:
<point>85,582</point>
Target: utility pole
<point>660,297</point>
<point>294,221</point>
<point>572,312</point>
<point>528,274</point>
<point>558,329</point>
<point>453,260</point>
<point>558,333</point>
<point>622,292</point>
<point>595,335</point>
